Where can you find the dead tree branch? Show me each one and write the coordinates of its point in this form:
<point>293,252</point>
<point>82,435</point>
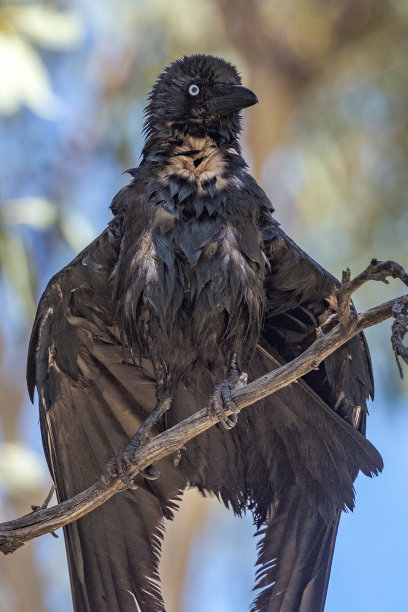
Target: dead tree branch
<point>15,533</point>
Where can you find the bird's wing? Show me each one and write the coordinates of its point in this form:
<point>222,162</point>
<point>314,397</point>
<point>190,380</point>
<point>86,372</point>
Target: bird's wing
<point>302,461</point>
<point>319,431</point>
<point>300,296</point>
<point>91,403</point>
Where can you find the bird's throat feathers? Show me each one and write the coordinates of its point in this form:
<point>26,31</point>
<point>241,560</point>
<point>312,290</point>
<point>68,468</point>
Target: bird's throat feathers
<point>196,159</point>
<point>195,172</point>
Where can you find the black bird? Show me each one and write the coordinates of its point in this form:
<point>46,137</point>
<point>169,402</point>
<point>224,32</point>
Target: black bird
<point>192,282</point>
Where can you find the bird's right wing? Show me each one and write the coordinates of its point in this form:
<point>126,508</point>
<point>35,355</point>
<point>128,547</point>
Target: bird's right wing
<point>91,404</point>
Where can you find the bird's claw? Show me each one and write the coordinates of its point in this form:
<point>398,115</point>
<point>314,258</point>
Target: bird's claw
<point>221,400</point>
<point>118,468</point>
<point>125,459</point>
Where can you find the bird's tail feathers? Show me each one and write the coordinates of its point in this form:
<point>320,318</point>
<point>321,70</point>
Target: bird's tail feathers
<point>295,557</point>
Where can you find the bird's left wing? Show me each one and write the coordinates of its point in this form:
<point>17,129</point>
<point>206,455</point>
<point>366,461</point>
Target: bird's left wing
<point>316,433</point>
<point>301,295</point>
<point>91,403</point>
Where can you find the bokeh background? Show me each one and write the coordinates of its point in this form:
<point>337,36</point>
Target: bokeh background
<point>328,142</point>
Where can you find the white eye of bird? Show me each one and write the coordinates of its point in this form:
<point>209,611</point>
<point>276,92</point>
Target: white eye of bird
<point>194,90</point>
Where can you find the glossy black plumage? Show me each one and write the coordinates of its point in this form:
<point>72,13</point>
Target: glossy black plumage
<point>192,269</point>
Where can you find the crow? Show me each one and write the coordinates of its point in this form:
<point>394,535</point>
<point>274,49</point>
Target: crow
<point>192,284</point>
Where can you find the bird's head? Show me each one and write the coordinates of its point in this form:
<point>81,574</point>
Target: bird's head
<point>200,95</point>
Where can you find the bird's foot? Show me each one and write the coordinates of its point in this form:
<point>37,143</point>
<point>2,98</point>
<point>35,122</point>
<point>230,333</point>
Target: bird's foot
<point>120,465</point>
<point>221,401</point>
<point>125,459</point>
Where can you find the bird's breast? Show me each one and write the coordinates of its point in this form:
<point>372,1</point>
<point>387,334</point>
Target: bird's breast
<point>200,296</point>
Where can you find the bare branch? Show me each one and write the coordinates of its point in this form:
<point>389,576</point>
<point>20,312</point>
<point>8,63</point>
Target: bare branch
<point>14,534</point>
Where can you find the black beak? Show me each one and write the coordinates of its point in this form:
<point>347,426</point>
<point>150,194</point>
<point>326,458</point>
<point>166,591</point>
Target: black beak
<point>229,98</point>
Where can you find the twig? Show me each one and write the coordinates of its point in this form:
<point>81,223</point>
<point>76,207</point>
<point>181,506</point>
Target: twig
<point>399,330</point>
<point>46,500</point>
<point>375,271</point>
<point>14,534</point>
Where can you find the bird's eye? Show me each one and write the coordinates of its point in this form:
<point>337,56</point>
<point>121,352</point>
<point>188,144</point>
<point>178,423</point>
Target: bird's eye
<point>194,90</point>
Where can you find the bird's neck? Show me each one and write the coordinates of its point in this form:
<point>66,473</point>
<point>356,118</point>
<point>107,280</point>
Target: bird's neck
<point>198,159</point>
<point>195,159</point>
<point>169,138</point>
